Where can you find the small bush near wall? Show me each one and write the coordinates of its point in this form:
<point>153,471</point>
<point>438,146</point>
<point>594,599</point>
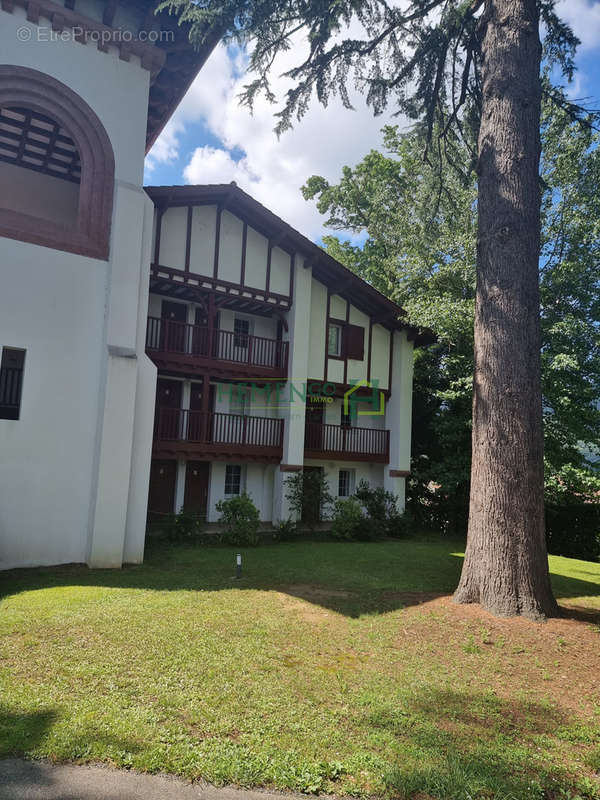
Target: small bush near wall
<point>184,526</point>
<point>240,520</point>
<point>381,506</point>
<point>286,531</point>
<point>349,522</point>
<point>367,515</point>
<point>309,497</point>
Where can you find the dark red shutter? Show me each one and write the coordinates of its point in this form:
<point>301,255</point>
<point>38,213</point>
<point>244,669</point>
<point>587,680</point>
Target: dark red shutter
<point>355,342</point>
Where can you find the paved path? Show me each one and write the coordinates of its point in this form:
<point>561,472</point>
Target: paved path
<point>39,780</point>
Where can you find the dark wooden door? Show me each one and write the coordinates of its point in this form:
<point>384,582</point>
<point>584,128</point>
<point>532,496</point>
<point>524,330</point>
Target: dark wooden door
<point>173,327</point>
<point>196,487</point>
<point>161,495</point>
<point>311,510</point>
<point>199,426</point>
<point>197,423</point>
<point>313,434</point>
<point>168,408</point>
<point>168,393</point>
<point>200,335</point>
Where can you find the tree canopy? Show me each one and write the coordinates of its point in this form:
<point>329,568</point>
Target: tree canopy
<point>420,250</point>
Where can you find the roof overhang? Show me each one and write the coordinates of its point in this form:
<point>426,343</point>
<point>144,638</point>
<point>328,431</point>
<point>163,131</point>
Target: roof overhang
<point>325,268</point>
<point>134,30</point>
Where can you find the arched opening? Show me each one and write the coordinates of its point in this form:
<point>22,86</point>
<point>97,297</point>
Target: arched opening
<point>56,166</point>
<point>40,168</point>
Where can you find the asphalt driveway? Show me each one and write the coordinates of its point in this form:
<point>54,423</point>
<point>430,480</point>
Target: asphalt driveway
<point>39,780</point>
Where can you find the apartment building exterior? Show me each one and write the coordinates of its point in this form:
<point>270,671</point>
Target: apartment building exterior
<point>130,319</point>
<point>271,358</point>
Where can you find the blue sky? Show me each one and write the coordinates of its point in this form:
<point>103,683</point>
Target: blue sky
<point>212,139</point>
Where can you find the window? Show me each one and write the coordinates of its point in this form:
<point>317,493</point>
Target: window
<point>241,332</point>
<point>56,166</point>
<point>233,479</point>
<point>11,381</point>
<point>345,482</point>
<point>334,340</point>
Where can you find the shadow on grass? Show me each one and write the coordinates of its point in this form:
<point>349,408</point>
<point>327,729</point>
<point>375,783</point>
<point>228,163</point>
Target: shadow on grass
<point>20,733</point>
<point>348,578</point>
<point>472,744</point>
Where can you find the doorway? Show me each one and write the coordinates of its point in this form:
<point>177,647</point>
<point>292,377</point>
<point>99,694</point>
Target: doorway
<point>161,494</point>
<point>313,429</point>
<point>168,409</point>
<point>311,491</point>
<point>196,487</point>
<point>173,327</point>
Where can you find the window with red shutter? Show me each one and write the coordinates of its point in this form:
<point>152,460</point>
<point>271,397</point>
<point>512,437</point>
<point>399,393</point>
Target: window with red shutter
<point>355,342</point>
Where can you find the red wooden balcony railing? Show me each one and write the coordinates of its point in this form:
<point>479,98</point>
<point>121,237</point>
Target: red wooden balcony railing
<point>342,442</point>
<point>181,338</point>
<point>214,428</point>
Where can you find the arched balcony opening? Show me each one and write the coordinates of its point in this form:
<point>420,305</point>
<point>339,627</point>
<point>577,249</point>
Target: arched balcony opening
<point>56,166</point>
<point>40,168</point>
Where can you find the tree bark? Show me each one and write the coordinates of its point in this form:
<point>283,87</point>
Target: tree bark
<point>506,564</point>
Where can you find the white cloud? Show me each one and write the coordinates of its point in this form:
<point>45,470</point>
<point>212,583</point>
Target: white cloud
<point>271,169</point>
<point>166,147</point>
<point>584,18</point>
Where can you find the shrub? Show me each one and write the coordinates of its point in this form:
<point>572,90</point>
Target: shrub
<point>384,517</point>
<point>182,526</point>
<point>573,513</point>
<point>240,519</point>
<point>286,531</point>
<point>348,521</point>
<point>309,496</point>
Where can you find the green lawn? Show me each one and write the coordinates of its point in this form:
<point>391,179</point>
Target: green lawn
<point>328,667</point>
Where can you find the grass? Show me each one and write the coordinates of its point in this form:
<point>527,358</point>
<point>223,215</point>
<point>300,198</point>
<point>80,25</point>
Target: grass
<point>328,667</point>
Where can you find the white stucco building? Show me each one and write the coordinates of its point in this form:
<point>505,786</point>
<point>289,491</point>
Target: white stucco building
<point>258,335</point>
<point>105,286</point>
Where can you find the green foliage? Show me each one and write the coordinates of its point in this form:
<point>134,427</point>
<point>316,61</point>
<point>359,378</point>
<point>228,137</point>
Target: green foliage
<point>573,513</point>
<point>182,526</point>
<point>381,506</point>
<point>421,251</point>
<point>240,519</point>
<point>173,667</point>
<point>348,521</point>
<point>423,57</point>
<point>570,290</point>
<point>593,760</point>
<point>286,531</point>
<point>309,497</point>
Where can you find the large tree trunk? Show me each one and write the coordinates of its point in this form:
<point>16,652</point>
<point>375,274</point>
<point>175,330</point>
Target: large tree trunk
<point>506,565</point>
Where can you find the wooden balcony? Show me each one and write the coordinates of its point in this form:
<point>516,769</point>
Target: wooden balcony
<point>192,349</point>
<point>341,443</point>
<point>197,435</point>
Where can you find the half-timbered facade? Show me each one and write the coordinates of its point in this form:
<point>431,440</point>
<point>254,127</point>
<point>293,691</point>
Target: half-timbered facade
<point>181,341</point>
<point>258,335</point>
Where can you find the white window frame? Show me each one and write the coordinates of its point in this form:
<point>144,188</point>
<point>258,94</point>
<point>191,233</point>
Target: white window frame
<point>241,483</point>
<point>337,353</point>
<point>351,482</point>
